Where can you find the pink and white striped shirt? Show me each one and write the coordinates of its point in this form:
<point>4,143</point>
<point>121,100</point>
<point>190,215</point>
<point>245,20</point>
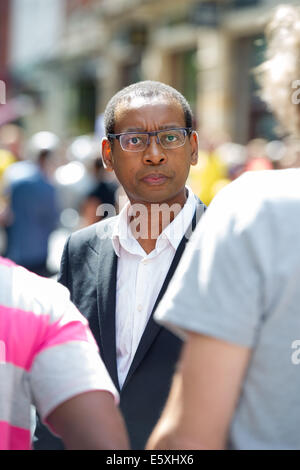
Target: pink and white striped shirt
<point>47,352</point>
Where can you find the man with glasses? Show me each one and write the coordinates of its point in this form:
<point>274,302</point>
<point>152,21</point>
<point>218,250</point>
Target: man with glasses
<point>118,269</point>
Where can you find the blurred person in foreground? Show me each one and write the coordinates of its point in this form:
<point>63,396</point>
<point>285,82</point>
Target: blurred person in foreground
<point>236,299</point>
<point>49,359</point>
<point>118,269</point>
<point>32,210</point>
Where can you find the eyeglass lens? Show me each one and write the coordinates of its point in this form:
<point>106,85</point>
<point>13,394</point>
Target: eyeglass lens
<point>168,139</point>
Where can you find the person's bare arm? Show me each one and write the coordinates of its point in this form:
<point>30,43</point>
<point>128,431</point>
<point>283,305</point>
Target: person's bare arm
<point>203,396</point>
<point>90,420</point>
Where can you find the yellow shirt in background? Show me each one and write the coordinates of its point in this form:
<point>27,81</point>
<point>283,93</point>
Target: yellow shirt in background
<point>208,176</point>
<point>6,159</point>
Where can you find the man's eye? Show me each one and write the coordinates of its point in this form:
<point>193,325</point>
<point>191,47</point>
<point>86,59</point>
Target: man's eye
<point>171,137</point>
<point>134,140</point>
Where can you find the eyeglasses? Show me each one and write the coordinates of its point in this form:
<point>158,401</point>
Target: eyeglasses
<point>138,141</point>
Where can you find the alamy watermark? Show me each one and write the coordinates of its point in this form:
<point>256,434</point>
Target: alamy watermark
<point>295,357</point>
<point>2,92</point>
<point>147,223</point>
<point>296,93</point>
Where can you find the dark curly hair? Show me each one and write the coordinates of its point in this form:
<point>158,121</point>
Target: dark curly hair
<point>146,89</point>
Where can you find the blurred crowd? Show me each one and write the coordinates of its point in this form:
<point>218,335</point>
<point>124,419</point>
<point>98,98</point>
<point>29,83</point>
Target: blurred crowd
<point>222,161</point>
<point>50,187</point>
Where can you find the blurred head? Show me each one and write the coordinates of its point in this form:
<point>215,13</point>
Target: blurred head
<point>42,148</point>
<point>42,145</point>
<point>256,148</point>
<point>11,138</point>
<point>86,150</point>
<point>279,75</point>
<point>152,169</point>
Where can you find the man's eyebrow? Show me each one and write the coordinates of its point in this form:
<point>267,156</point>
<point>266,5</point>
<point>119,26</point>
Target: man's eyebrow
<point>141,129</point>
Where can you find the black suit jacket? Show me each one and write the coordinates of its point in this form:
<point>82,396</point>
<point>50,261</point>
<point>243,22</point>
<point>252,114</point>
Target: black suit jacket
<point>89,269</point>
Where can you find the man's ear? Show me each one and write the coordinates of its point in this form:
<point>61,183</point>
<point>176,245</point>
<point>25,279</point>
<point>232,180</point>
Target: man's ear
<point>194,145</point>
<point>106,154</point>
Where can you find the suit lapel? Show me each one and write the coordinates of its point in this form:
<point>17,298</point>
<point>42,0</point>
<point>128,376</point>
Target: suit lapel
<point>106,299</point>
<point>152,329</point>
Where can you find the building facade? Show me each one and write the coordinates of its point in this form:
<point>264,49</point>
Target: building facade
<point>206,49</point>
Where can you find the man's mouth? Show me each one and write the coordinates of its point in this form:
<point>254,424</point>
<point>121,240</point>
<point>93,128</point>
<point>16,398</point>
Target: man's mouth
<point>155,178</point>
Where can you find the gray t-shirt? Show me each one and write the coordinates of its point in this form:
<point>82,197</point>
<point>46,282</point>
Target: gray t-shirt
<point>239,280</point>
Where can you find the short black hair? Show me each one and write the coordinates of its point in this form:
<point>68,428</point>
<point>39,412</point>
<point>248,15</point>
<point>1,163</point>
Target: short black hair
<point>146,89</point>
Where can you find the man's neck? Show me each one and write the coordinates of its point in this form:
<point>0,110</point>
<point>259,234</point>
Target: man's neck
<point>148,221</point>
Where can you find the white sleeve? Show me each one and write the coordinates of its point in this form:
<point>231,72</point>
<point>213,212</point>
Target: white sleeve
<point>67,363</point>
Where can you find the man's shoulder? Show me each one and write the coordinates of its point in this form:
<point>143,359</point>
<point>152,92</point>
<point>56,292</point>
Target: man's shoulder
<point>93,235</point>
<point>31,294</point>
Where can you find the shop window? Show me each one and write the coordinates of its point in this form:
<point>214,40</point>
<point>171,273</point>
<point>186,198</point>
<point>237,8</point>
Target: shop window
<point>86,107</point>
<point>252,119</point>
<point>184,73</point>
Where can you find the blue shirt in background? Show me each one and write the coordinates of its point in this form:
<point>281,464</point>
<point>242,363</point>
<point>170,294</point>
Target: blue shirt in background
<point>35,214</point>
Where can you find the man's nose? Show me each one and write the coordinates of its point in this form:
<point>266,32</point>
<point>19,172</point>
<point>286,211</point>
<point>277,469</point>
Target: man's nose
<point>154,153</point>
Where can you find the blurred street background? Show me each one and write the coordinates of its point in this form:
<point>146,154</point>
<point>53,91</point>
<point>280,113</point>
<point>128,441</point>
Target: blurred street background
<point>60,63</point>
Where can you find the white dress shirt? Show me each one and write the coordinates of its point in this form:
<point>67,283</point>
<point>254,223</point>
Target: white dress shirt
<point>140,277</point>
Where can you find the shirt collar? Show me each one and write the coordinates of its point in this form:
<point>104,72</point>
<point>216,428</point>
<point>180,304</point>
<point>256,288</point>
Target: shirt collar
<point>179,225</point>
<point>173,232</point>
<point>121,230</point>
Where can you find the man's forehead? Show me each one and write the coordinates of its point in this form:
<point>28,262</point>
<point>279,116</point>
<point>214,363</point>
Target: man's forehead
<point>137,103</point>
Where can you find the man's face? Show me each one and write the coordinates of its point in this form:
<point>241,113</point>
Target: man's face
<point>155,175</point>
